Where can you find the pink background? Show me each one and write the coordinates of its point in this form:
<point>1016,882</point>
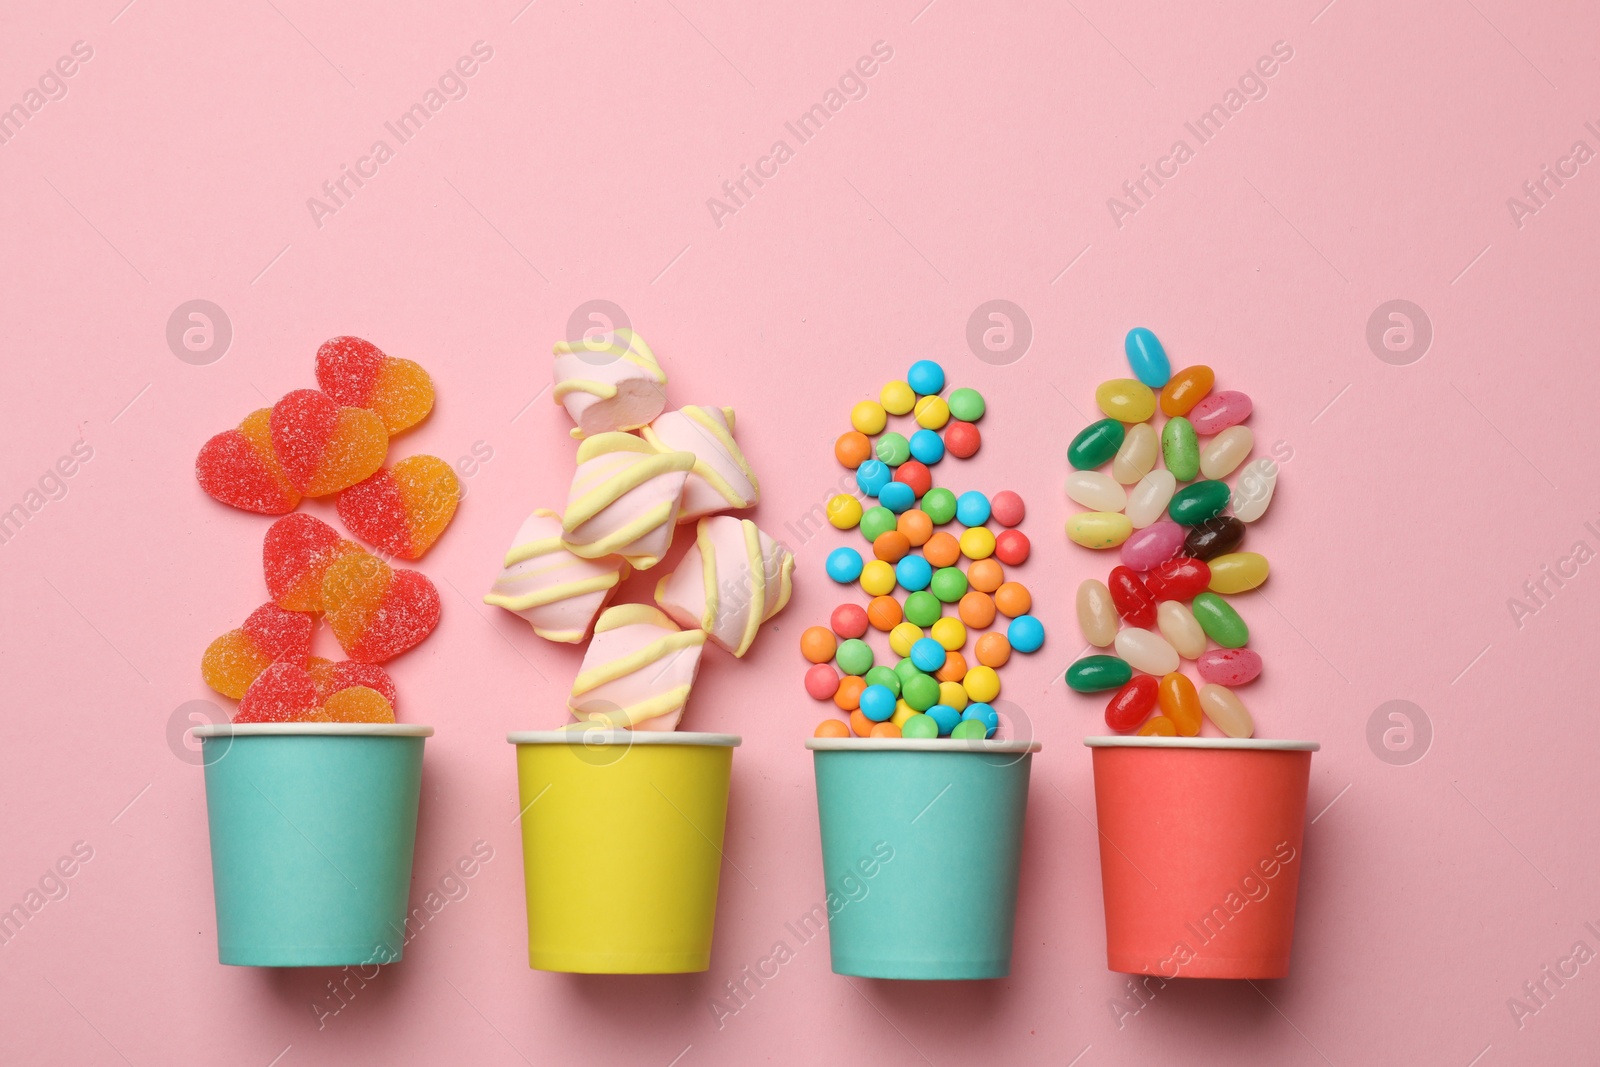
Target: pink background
<point>978,166</point>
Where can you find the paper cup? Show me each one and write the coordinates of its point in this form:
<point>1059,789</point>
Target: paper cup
<point>312,830</point>
<point>1200,852</point>
<point>622,847</point>
<point>921,841</point>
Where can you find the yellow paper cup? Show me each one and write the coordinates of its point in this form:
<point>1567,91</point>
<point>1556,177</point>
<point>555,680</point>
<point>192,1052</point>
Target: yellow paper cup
<point>622,847</point>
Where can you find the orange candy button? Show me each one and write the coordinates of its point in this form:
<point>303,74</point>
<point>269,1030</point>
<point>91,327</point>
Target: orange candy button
<point>860,725</point>
<point>1013,599</point>
<point>891,546</point>
<point>832,728</point>
<point>986,575</point>
<point>884,613</point>
<point>848,696</point>
<point>954,669</point>
<point>993,650</point>
<point>852,449</point>
<point>977,609</point>
<point>818,644</point>
<point>885,729</point>
<point>916,525</point>
<point>942,550</point>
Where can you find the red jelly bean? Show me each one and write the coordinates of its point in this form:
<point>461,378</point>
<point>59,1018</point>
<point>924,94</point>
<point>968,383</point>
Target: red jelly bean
<point>916,475</point>
<point>961,439</point>
<point>848,620</point>
<point>1011,547</point>
<point>1133,599</point>
<point>1179,578</point>
<point>1132,704</point>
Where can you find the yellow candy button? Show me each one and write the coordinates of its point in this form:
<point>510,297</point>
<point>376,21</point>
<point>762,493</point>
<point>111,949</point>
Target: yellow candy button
<point>877,578</point>
<point>897,398</point>
<point>977,543</point>
<point>982,684</point>
<point>903,636</point>
<point>931,413</point>
<point>869,417</point>
<point>844,511</point>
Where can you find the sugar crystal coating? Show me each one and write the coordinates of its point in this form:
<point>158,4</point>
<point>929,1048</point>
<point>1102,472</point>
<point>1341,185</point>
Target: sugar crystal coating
<point>356,373</point>
<point>295,556</point>
<point>240,468</point>
<point>325,447</point>
<point>403,508</point>
<point>237,658</point>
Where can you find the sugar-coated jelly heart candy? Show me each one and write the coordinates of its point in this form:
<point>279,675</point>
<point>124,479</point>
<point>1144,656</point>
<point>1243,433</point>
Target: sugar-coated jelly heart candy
<point>404,508</point>
<point>1252,490</point>
<point>1096,491</point>
<point>1094,674</point>
<point>240,468</point>
<point>1148,500</point>
<point>283,693</point>
<point>1097,615</point>
<point>1179,626</point>
<point>357,374</point>
<point>355,704</point>
<point>1186,389</point>
<point>1180,703</point>
<point>1099,529</point>
<point>1180,449</point>
<point>296,554</point>
<point>1133,599</point>
<point>1226,711</point>
<point>324,447</point>
<point>1095,444</point>
<point>1220,622</point>
<point>1194,504</point>
<point>1222,456</point>
<point>1158,726</point>
<point>1213,537</point>
<point>269,634</point>
<point>1219,411</point>
<point>1145,650</point>
<point>1180,578</point>
<point>1154,544</point>
<point>1229,666</point>
<point>1132,704</point>
<point>1126,400</point>
<point>1147,357</point>
<point>330,678</point>
<point>375,611</point>
<point>1235,572</point>
<point>1137,456</point>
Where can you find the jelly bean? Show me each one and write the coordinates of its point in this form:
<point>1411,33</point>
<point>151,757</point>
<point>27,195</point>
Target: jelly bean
<point>1180,703</point>
<point>931,412</point>
<point>1126,400</point>
<point>893,449</point>
<point>1180,449</point>
<point>822,681</point>
<point>967,405</point>
<point>1185,389</point>
<point>1226,711</point>
<point>1147,358</point>
<point>1094,674</point>
<point>977,543</point>
<point>1096,491</point>
<point>1095,444</point>
<point>877,703</point>
<point>913,573</point>
<point>878,578</point>
<point>914,474</point>
<point>948,584</point>
<point>852,449</point>
<point>844,511</point>
<point>1099,529</point>
<point>1229,666</point>
<point>1145,650</point>
<point>1194,504</point>
<point>919,691</point>
<point>953,695</point>
<point>970,730</point>
<point>976,608</point>
<point>877,521</point>
<point>1179,578</point>
<point>868,417</point>
<point>1013,599</point>
<point>1148,500</point>
<point>1219,411</point>
<point>1007,508</point>
<point>831,728</point>
<point>962,439</point>
<point>920,726</point>
<point>904,668</point>
<point>1252,490</point>
<point>1132,704</point>
<point>1158,726</point>
<point>954,669</point>
<point>923,608</point>
<point>945,716</point>
<point>950,633</point>
<point>927,447</point>
<point>985,575</point>
<point>940,505</point>
<point>1179,626</point>
<point>891,546</point>
<point>1025,634</point>
<point>844,565</point>
<point>1220,622</point>
<point>1236,572</point>
<point>884,612</point>
<point>902,637</point>
<point>818,644</point>
<point>1154,544</point>
<point>972,508</point>
<point>1213,538</point>
<point>981,684</point>
<point>884,676</point>
<point>916,526</point>
<point>1226,451</point>
<point>885,730</point>
<point>1097,614</point>
<point>897,497</point>
<point>981,712</point>
<point>854,656</point>
<point>848,698</point>
<point>872,476</point>
<point>1012,547</point>
<point>993,650</point>
<point>1132,598</point>
<point>942,550</point>
<point>927,655</point>
<point>1137,456</point>
<point>897,398</point>
<point>925,376</point>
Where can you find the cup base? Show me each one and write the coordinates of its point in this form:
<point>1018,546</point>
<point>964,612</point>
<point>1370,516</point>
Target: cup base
<point>922,970</point>
<point>318,956</point>
<point>620,962</point>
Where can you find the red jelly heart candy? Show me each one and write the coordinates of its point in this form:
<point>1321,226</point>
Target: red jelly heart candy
<point>283,693</point>
<point>331,678</point>
<point>404,508</point>
<point>324,447</point>
<point>240,468</point>
<point>354,372</point>
<point>375,611</point>
<point>296,554</point>
<point>237,658</point>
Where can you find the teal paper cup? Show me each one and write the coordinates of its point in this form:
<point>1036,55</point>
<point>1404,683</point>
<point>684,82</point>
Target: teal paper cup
<point>312,831</point>
<point>906,823</point>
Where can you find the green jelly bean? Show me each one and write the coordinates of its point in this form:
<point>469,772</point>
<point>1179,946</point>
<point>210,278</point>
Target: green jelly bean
<point>1180,449</point>
<point>923,608</point>
<point>967,405</point>
<point>905,669</point>
<point>920,692</point>
<point>1194,504</point>
<point>949,584</point>
<point>920,726</point>
<point>877,521</point>
<point>884,676</point>
<point>939,505</point>
<point>894,449</point>
<point>1095,444</point>
<point>1220,622</point>
<point>1094,674</point>
<point>970,730</point>
<point>854,656</point>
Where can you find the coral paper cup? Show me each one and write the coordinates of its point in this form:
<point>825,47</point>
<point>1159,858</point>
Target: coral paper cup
<point>908,823</point>
<point>312,831</point>
<point>622,847</point>
<point>1200,852</point>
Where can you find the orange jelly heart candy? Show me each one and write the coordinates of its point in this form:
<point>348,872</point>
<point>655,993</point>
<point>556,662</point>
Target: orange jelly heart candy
<point>295,556</point>
<point>356,704</point>
<point>240,468</point>
<point>355,372</point>
<point>375,611</point>
<point>404,508</point>
<point>324,447</point>
<point>331,678</point>
<point>237,658</point>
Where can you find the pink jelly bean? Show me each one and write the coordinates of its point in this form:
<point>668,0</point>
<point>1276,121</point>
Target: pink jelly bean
<point>1229,666</point>
<point>1218,411</point>
<point>1154,544</point>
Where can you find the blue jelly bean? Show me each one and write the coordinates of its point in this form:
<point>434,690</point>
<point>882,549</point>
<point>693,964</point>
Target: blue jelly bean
<point>984,714</point>
<point>897,497</point>
<point>945,716</point>
<point>972,508</point>
<point>913,573</point>
<point>925,377</point>
<point>927,447</point>
<point>927,655</point>
<point>872,476</point>
<point>1147,358</point>
<point>877,702</point>
<point>1025,634</point>
<point>844,565</point>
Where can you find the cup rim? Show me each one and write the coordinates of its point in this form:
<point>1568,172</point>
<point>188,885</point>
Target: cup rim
<point>313,729</point>
<point>919,744</point>
<point>623,737</point>
<point>1248,744</point>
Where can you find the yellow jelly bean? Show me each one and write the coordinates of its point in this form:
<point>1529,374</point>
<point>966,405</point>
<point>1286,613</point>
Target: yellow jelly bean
<point>1126,400</point>
<point>903,636</point>
<point>877,578</point>
<point>1236,572</point>
<point>952,695</point>
<point>897,398</point>
<point>949,632</point>
<point>982,684</point>
<point>844,511</point>
<point>869,417</point>
<point>977,543</point>
<point>902,712</point>
<point>932,412</point>
<point>1099,529</point>
<point>1158,726</point>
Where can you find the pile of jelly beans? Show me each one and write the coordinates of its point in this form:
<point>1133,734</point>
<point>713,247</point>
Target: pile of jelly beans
<point>1179,546</point>
<point>937,549</point>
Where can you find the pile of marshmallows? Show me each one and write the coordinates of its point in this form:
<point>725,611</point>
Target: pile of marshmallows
<point>629,494</point>
<point>1179,547</point>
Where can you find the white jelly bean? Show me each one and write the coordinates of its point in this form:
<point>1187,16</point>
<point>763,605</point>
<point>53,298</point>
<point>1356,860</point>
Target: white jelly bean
<point>1138,453</point>
<point>1097,614</point>
<point>1252,492</point>
<point>1096,491</point>
<point>1226,451</point>
<point>1226,711</point>
<point>1146,651</point>
<point>1179,626</point>
<point>1149,499</point>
